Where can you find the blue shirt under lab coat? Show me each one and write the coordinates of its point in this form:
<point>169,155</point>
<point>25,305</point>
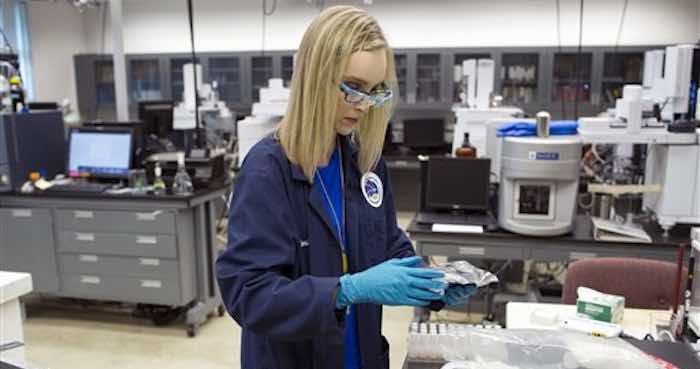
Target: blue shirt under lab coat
<point>279,273</point>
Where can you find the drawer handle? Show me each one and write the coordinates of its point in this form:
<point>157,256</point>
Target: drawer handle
<point>472,251</point>
<point>582,255</point>
<point>86,279</point>
<point>151,284</point>
<point>85,237</point>
<point>149,262</point>
<point>147,217</point>
<point>83,214</point>
<point>146,240</point>
<point>88,258</point>
<point>22,213</point>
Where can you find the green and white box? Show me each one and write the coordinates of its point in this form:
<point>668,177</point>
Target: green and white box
<point>600,306</point>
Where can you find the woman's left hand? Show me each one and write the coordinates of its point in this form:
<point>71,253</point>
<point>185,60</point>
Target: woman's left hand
<point>458,294</point>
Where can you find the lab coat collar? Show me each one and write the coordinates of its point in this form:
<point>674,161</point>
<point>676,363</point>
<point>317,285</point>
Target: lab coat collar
<point>347,146</point>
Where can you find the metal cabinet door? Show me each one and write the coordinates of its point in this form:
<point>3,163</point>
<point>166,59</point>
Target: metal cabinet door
<point>28,246</point>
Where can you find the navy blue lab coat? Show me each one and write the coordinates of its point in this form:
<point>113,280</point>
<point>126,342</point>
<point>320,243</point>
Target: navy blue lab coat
<point>281,267</point>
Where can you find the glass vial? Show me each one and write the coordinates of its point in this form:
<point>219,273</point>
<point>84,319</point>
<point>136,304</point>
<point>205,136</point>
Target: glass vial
<point>182,183</point>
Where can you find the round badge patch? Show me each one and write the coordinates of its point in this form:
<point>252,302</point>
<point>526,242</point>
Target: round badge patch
<point>373,189</point>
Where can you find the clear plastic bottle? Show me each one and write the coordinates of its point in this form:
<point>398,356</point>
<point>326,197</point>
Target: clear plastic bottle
<point>158,184</point>
<point>182,183</point>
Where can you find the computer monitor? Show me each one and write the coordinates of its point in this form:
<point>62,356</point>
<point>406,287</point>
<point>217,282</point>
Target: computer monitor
<point>424,133</point>
<point>458,183</point>
<point>136,128</point>
<point>157,117</point>
<point>100,152</point>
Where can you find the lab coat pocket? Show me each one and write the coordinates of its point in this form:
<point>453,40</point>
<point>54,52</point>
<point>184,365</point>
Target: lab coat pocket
<point>301,264</point>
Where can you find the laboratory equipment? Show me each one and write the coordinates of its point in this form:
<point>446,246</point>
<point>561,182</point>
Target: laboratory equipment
<point>478,79</point>
<point>30,142</point>
<point>264,117</point>
<point>139,142</point>
<point>673,158</point>
<point>100,152</point>
<point>206,168</point>
<point>213,113</point>
<point>455,191</point>
<point>424,135</point>
<point>490,347</point>
<point>138,179</point>
<point>467,150</point>
<point>158,183</point>
<point>542,123</point>
<point>539,184</point>
<point>475,110</point>
<point>182,183</point>
<point>475,122</point>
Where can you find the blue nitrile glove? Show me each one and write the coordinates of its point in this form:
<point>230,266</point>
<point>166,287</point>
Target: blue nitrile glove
<point>563,127</point>
<point>458,294</point>
<point>517,129</point>
<point>393,282</point>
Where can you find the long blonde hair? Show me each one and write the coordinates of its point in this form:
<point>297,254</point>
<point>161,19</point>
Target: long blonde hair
<point>307,132</point>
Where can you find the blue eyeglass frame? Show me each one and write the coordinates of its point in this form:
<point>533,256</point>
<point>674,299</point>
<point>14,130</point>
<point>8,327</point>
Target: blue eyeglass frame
<point>374,100</point>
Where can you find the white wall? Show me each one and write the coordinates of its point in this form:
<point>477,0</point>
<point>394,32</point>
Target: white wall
<point>57,34</point>
<point>153,26</point>
<point>161,25</point>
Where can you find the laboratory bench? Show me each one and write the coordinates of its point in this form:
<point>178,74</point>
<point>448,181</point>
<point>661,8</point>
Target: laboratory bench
<point>677,353</point>
<point>579,244</point>
<point>141,249</point>
<point>636,322</point>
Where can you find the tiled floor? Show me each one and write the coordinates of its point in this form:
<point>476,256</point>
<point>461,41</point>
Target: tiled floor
<point>76,337</point>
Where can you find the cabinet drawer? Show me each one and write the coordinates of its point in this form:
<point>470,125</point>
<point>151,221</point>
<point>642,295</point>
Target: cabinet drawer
<point>564,255</point>
<point>477,252</point>
<point>162,246</point>
<point>161,222</point>
<point>127,289</point>
<point>118,266</point>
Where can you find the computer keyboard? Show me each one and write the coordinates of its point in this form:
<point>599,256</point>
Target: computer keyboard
<point>79,187</point>
<point>482,219</point>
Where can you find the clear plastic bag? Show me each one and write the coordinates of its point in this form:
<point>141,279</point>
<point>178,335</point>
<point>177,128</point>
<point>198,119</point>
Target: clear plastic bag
<point>540,349</point>
<point>463,273</point>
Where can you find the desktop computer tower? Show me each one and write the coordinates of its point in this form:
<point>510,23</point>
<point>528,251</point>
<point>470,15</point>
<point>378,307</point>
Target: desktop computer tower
<point>30,142</point>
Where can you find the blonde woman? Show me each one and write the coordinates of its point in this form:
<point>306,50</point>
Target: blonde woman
<point>314,249</point>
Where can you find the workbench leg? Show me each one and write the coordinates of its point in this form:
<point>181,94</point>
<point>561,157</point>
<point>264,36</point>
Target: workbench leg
<point>207,302</point>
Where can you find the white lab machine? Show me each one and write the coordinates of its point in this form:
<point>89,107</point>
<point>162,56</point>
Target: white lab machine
<point>264,116</point>
<point>476,110</point>
<point>213,113</point>
<point>673,158</point>
<point>539,184</point>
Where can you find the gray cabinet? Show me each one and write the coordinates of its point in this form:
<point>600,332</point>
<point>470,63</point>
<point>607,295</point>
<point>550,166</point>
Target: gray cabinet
<point>532,78</point>
<point>27,245</point>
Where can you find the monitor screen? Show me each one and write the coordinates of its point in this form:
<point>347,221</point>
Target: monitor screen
<point>424,133</point>
<point>157,117</point>
<point>458,183</point>
<point>101,153</point>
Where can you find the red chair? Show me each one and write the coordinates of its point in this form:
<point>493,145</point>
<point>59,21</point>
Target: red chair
<point>646,284</point>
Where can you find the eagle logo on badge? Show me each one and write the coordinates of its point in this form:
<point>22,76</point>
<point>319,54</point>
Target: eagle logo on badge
<point>372,189</point>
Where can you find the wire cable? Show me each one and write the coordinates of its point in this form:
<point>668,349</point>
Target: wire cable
<point>200,137</point>
<point>561,98</point>
<point>7,41</point>
<point>619,28</point>
<point>266,13</point>
<point>578,60</point>
<point>104,31</point>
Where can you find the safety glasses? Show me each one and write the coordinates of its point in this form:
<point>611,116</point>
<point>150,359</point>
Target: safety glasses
<point>356,97</point>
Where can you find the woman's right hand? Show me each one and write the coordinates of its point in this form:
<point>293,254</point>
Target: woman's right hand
<point>393,282</point>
